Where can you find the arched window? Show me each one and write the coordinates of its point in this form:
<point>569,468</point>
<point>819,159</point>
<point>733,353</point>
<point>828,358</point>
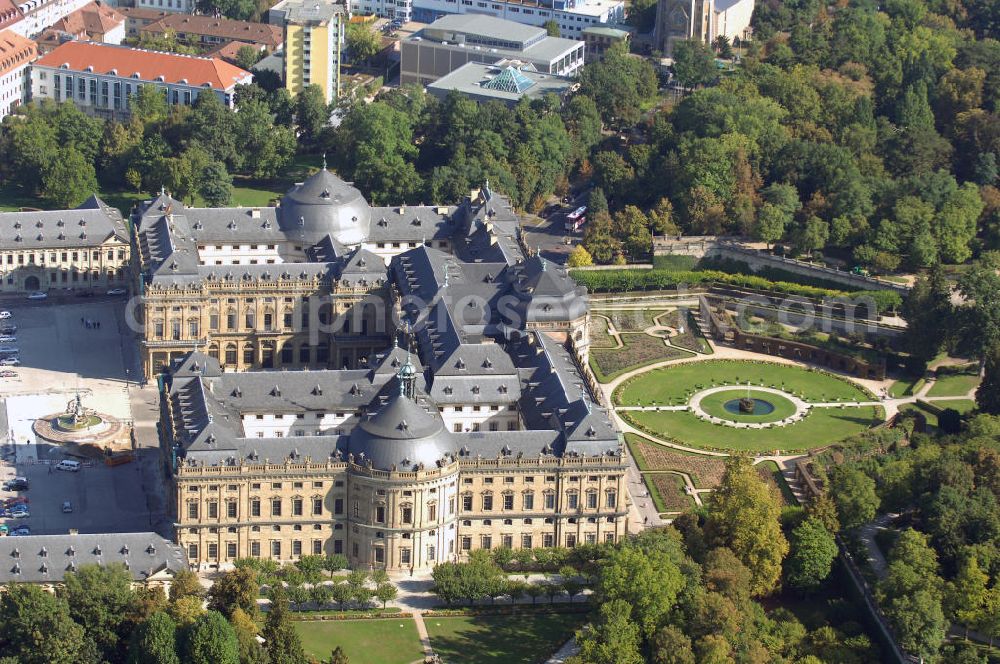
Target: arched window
<point>248,353</point>
<point>231,351</point>
<point>213,351</point>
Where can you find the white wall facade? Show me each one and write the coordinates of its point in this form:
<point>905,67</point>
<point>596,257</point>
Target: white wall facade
<point>733,21</point>
<point>174,6</point>
<point>572,22</point>
<point>14,87</point>
<point>41,14</point>
<point>116,35</point>
<point>108,93</point>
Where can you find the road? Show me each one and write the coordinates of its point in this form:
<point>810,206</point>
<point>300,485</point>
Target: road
<point>548,235</point>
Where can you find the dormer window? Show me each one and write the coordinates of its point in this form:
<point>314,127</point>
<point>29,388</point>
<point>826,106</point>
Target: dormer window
<point>487,364</point>
<point>276,391</point>
<point>124,550</point>
<point>475,389</point>
<point>448,389</point>
<point>151,550</point>
<point>460,364</point>
<point>82,222</point>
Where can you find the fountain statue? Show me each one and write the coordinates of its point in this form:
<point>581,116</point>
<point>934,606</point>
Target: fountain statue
<point>747,404</point>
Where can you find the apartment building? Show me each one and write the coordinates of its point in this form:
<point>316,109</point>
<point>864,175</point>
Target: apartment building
<point>16,56</point>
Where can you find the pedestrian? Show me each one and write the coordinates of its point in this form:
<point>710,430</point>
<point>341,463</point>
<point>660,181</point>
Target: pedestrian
<point>50,469</point>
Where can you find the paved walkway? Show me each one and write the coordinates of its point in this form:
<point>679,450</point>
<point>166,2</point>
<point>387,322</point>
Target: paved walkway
<point>425,639</point>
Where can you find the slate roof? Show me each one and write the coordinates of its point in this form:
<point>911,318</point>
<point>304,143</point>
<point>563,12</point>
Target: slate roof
<point>89,225</point>
<point>47,558</point>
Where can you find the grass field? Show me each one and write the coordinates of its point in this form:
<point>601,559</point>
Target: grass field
<point>501,639</point>
<point>371,641</point>
<point>961,405</point>
<point>906,387</point>
<point>672,385</point>
<point>714,404</point>
<point>955,385</point>
<point>640,349</point>
<point>821,427</point>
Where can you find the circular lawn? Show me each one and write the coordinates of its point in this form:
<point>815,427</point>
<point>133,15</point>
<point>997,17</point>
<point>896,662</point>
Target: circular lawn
<point>715,405</point>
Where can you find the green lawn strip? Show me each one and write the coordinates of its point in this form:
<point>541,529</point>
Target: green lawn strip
<point>961,405</point>
<point>674,384</point>
<point>954,385</point>
<point>372,641</point>
<point>932,419</point>
<point>714,404</point>
<point>771,473</point>
<point>654,492</point>
<point>906,387</point>
<point>520,639</point>
<point>640,350</point>
<point>821,427</point>
<point>249,195</point>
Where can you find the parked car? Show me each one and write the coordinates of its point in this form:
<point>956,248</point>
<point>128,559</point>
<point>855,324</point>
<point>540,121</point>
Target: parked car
<point>117,291</point>
<point>7,339</point>
<point>10,362</point>
<point>5,314</point>
<point>38,295</point>
<point>69,465</point>
<point>7,373</point>
<point>21,531</point>
<point>16,484</point>
<point>67,507</point>
<point>20,513</point>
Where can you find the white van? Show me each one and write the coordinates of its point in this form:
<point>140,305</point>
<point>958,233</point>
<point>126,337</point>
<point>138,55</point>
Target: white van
<point>68,465</point>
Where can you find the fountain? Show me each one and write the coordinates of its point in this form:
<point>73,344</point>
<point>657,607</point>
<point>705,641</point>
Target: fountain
<point>84,427</point>
<point>749,405</point>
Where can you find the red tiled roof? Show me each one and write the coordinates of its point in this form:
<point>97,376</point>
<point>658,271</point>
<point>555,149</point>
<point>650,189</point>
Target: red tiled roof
<point>15,51</point>
<point>140,13</point>
<point>229,50</point>
<point>270,36</point>
<point>10,13</point>
<point>149,65</point>
<point>92,20</point>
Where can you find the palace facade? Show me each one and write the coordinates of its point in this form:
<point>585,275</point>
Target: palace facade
<point>437,407</point>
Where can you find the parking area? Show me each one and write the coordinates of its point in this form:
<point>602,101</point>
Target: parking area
<point>65,348</point>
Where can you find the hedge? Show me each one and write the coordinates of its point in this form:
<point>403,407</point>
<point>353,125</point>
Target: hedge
<point>617,281</point>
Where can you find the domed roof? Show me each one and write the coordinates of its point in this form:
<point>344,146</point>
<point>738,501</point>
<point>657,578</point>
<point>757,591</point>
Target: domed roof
<point>325,205</point>
<point>402,434</point>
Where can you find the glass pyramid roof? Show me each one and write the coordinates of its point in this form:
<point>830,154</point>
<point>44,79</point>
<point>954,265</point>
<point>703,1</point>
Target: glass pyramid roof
<point>509,80</point>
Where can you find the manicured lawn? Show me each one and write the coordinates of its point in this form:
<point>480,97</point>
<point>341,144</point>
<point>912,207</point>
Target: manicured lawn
<point>820,427</point>
<point>906,387</point>
<point>501,639</point>
<point>955,385</point>
<point>372,641</point>
<point>714,404</point>
<point>961,405</point>
<point>673,385</point>
<point>13,198</point>
<point>640,349</point>
<point>249,196</point>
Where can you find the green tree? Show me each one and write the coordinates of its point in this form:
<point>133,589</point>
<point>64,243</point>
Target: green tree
<point>647,581</point>
<point>618,84</point>
<point>149,105</point>
<point>970,595</point>
<point>988,392</point>
<point>694,63</point>
<point>980,285</point>
<point>771,223</point>
<point>237,588</point>
<point>811,235</point>
<point>215,186</point>
<point>185,610</point>
<point>583,122</point>
<point>186,584</point>
<point>385,592</point>
<point>918,622</point>
<point>813,550</point>
<point>362,41</point>
<point>579,257</point>
<point>744,515</point>
<point>247,56</point>
<point>250,650</point>
<point>614,639</point>
<point>70,179</point>
<point>338,656</point>
<point>263,148</point>
<point>154,641</point>
<point>551,28</point>
<point>36,628</point>
<point>211,640</point>
<point>671,645</point>
<point>100,599</point>
<point>281,641</point>
<point>854,493</point>
<point>311,113</point>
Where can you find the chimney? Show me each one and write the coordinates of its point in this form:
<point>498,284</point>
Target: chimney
<point>74,531</point>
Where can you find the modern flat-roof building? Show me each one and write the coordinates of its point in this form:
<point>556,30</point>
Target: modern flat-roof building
<point>452,41</point>
<point>314,38</point>
<point>99,78</point>
<point>170,6</point>
<point>467,426</point>
<point>45,560</point>
<point>506,82</point>
<point>212,32</point>
<point>84,248</point>
<point>571,16</point>
<point>16,55</point>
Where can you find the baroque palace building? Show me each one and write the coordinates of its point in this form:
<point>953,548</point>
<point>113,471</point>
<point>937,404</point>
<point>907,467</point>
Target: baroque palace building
<point>436,406</point>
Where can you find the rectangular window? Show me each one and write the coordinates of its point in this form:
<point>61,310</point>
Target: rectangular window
<point>507,541</point>
<point>213,551</point>
<point>432,512</point>
<point>317,506</point>
<point>230,550</point>
<point>548,540</point>
<point>231,509</point>
<point>529,501</point>
<point>525,541</point>
<point>404,556</point>
<point>192,510</point>
<point>487,503</point>
<point>380,514</point>
<point>317,547</point>
<point>508,501</point>
<point>611,499</point>
<point>213,510</point>
<point>487,542</point>
<point>296,548</point>
<point>296,507</point>
<point>466,503</point>
<point>276,507</point>
<point>570,541</point>
<point>591,500</point>
<point>255,507</point>
<point>572,501</point>
<point>407,515</point>
<point>255,549</point>
<point>550,501</point>
<point>192,552</point>
<point>466,543</point>
<point>275,548</point>
<point>338,506</point>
